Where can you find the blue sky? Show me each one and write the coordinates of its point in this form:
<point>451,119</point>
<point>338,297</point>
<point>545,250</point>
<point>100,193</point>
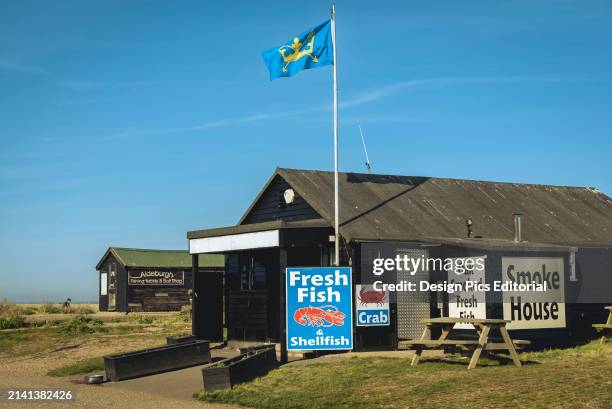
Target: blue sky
<point>128,123</point>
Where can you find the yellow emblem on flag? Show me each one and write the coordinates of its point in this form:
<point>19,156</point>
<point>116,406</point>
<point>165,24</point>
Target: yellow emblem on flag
<point>298,51</point>
<point>310,49</point>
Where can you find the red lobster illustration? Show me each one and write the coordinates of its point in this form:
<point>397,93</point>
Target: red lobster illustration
<point>371,297</point>
<point>325,316</point>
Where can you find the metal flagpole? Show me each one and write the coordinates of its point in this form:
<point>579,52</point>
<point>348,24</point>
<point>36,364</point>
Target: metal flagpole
<point>336,196</point>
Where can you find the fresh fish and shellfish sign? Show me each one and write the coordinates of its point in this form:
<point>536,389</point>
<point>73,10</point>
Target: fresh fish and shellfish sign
<point>319,308</point>
<point>372,307</point>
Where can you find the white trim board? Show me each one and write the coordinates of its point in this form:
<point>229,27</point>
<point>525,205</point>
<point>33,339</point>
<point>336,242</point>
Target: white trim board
<point>243,241</point>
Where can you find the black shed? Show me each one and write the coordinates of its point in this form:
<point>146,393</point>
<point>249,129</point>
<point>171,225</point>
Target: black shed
<point>290,224</point>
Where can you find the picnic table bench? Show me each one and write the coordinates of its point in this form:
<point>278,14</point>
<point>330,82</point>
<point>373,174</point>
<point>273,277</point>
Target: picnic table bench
<point>482,327</point>
<point>606,326</point>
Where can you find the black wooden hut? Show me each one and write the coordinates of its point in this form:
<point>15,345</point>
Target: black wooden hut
<point>149,280</point>
<point>290,222</point>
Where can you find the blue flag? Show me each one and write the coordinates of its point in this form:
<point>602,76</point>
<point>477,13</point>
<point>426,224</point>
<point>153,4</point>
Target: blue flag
<point>311,49</point>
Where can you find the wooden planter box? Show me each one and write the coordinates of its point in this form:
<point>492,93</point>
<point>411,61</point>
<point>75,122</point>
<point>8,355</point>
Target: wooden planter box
<point>246,350</point>
<point>156,360</point>
<point>243,368</point>
<point>172,340</point>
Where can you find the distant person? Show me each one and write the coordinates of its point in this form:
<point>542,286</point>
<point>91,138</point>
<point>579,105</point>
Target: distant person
<point>67,305</point>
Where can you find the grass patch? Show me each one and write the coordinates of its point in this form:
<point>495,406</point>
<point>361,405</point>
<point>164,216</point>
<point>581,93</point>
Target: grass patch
<point>82,367</point>
<point>50,308</point>
<point>393,383</point>
<point>12,322</point>
<point>28,310</point>
<point>47,336</point>
<point>29,341</point>
<point>80,309</point>
<point>79,325</point>
<point>182,317</point>
<point>8,309</point>
<point>143,319</point>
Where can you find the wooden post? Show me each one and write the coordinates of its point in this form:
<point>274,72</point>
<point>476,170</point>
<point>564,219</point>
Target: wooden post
<point>283,307</point>
<point>482,343</point>
<point>510,345</point>
<point>194,300</point>
<point>417,354</point>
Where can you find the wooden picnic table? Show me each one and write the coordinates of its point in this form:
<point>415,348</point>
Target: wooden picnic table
<point>482,327</point>
<point>606,326</point>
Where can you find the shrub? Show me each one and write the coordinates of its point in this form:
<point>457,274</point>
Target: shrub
<point>12,322</point>
<point>143,319</point>
<point>8,309</point>
<point>28,311</point>
<point>76,326</point>
<point>116,319</point>
<point>183,317</point>
<point>82,310</point>
<point>51,308</point>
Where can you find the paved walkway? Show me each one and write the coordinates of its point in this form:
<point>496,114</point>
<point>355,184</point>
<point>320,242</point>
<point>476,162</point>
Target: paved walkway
<point>180,384</point>
<point>167,390</point>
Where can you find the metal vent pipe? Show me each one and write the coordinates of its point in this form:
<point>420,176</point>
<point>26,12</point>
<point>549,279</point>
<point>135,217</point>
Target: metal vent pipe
<point>517,226</point>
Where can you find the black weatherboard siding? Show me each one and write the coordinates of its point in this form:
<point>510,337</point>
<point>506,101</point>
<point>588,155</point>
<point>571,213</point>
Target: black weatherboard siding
<point>120,284</point>
<point>159,297</point>
<point>271,205</point>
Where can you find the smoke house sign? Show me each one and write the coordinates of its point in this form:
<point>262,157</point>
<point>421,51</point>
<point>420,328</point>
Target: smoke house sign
<point>156,277</point>
<point>531,310</point>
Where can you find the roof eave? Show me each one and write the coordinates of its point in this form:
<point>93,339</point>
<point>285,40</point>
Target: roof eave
<point>110,251</point>
<point>257,227</point>
<point>261,192</point>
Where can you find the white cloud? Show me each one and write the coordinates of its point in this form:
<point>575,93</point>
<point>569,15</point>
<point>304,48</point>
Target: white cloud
<point>367,97</point>
<point>9,65</point>
<point>78,85</point>
<point>390,89</point>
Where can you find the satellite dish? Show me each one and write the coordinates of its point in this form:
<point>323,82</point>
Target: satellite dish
<point>289,196</point>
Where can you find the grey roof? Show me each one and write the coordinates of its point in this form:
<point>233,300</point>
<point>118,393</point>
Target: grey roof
<point>501,244</point>
<point>387,207</point>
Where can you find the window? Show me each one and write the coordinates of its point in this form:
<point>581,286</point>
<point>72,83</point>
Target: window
<point>252,272</point>
<point>258,275</point>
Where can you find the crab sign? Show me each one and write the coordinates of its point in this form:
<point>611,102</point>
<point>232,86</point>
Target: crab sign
<point>298,50</point>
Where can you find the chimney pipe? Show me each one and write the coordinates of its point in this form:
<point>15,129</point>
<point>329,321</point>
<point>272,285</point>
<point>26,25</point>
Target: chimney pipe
<point>517,226</point>
<point>468,224</point>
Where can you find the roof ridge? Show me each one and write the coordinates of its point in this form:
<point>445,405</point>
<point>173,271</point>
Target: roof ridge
<point>150,250</point>
<point>145,258</point>
<point>590,188</point>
